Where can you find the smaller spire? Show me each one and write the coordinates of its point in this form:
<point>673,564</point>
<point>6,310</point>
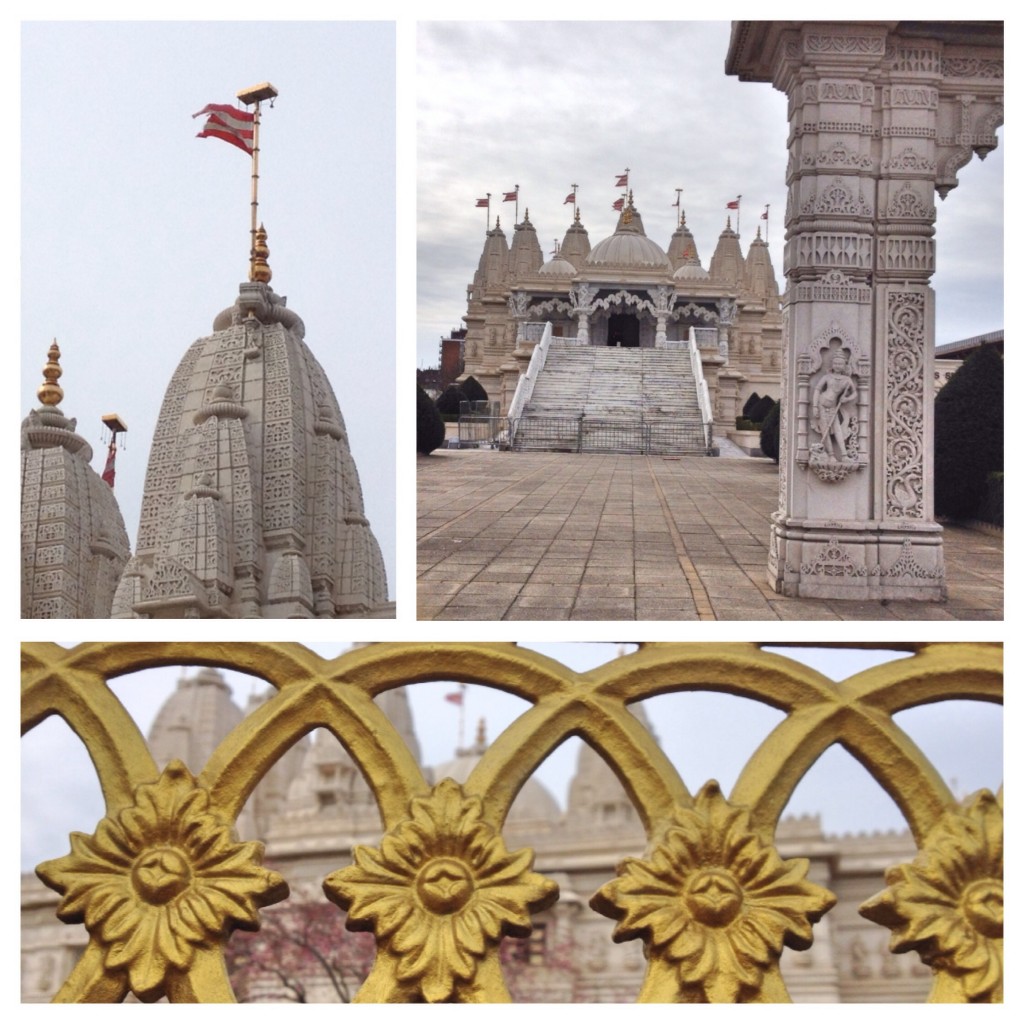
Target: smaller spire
<point>497,223</point>
<point>260,268</point>
<point>481,734</point>
<point>728,222</point>
<point>526,216</point>
<point>50,392</point>
<point>758,233</point>
<point>576,220</point>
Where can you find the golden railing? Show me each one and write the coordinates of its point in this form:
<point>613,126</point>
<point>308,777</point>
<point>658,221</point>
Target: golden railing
<point>163,881</point>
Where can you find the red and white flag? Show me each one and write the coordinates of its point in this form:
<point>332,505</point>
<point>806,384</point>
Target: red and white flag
<point>108,470</point>
<point>734,205</point>
<point>228,123</point>
<point>511,197</point>
<point>764,216</point>
<point>622,180</point>
<point>570,198</point>
<point>454,698</point>
<point>484,202</point>
<point>618,204</point>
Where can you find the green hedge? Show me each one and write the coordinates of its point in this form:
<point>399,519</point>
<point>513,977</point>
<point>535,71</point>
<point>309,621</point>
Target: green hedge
<point>429,428</point>
<point>969,435</point>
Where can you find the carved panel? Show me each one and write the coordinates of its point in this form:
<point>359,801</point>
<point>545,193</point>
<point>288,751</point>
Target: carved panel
<point>908,159</point>
<point>857,45</point>
<point>906,204</point>
<point>904,405</point>
<point>907,254</point>
<point>971,67</point>
<point>831,249</point>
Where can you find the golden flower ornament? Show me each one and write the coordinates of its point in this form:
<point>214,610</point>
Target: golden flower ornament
<point>948,902</point>
<point>160,882</point>
<point>439,893</point>
<point>714,905</point>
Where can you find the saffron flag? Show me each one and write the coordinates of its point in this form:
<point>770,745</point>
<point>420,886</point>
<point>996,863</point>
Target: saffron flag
<point>622,181</point>
<point>570,198</point>
<point>227,123</point>
<point>454,698</point>
<point>734,205</point>
<point>617,205</point>
<point>484,202</point>
<point>511,197</point>
<point>108,470</point>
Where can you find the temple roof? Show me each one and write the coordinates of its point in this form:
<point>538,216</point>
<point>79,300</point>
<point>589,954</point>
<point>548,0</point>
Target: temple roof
<point>629,247</point>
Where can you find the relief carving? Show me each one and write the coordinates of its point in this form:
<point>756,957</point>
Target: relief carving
<point>834,420</point>
<point>908,204</point>
<point>904,402</point>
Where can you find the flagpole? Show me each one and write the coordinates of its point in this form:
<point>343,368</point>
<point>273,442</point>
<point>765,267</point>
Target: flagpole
<point>679,207</point>
<point>252,97</point>
<point>517,206</point>
<point>575,198</point>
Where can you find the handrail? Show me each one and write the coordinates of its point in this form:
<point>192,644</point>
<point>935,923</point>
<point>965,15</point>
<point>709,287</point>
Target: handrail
<point>524,387</point>
<point>703,397</point>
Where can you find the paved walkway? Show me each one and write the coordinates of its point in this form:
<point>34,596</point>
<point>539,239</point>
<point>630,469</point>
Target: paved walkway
<point>547,536</point>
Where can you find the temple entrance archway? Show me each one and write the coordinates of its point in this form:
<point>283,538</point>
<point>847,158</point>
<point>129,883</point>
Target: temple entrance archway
<point>623,330</point>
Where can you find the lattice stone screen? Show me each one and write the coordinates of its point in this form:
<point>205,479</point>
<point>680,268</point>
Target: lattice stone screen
<point>163,881</point>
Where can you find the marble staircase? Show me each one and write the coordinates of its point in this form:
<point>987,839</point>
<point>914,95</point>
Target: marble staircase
<point>633,400</point>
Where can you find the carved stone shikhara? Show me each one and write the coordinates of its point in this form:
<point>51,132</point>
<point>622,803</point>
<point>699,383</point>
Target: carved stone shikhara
<point>879,121</point>
<point>163,880</point>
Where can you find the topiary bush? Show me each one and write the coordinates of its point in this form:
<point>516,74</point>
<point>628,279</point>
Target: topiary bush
<point>473,390</point>
<point>760,409</point>
<point>429,426</point>
<point>749,404</point>
<point>968,434</point>
<point>770,432</point>
<point>449,402</point>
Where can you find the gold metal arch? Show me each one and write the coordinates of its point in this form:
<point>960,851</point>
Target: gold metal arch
<point>163,881</point>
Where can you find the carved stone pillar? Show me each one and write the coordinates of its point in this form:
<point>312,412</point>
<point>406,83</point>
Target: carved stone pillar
<point>880,116</point>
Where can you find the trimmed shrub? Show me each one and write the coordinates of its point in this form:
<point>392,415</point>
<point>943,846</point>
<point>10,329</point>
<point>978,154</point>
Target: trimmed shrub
<point>968,434</point>
<point>429,428</point>
<point>749,404</point>
<point>770,433</point>
<point>991,508</point>
<point>450,401</point>
<point>760,409</point>
<point>473,390</point>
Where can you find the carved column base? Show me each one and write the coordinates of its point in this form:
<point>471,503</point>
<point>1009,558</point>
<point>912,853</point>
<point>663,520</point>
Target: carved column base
<point>857,562</point>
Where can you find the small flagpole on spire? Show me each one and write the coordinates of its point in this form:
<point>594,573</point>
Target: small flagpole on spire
<point>679,207</point>
<point>517,204</point>
<point>764,217</point>
<point>250,97</point>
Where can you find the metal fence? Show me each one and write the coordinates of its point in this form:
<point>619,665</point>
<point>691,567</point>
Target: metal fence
<point>588,434</point>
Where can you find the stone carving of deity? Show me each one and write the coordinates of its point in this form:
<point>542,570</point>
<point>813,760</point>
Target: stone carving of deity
<point>834,419</point>
<point>834,423</point>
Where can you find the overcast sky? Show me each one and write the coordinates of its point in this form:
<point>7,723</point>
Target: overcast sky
<point>705,735</point>
<point>549,105</point>
<point>135,233</point>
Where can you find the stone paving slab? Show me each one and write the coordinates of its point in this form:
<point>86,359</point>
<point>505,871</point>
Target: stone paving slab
<point>550,536</point>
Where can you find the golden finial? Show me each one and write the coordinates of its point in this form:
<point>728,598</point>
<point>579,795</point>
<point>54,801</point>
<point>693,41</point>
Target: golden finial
<point>50,392</point>
<point>260,268</point>
<point>481,734</point>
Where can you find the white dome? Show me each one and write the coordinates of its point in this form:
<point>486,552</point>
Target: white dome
<point>691,272</point>
<point>558,267</point>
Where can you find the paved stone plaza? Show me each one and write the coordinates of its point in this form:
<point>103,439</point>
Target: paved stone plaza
<point>547,536</point>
